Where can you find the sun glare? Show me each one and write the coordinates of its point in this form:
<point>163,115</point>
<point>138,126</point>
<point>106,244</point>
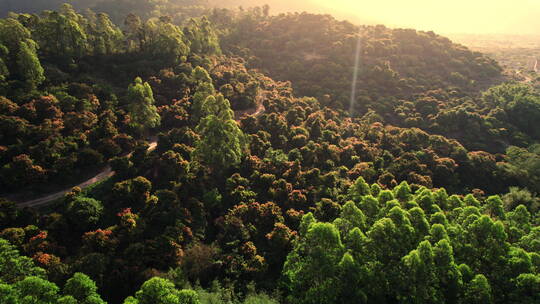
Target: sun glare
<point>465,16</point>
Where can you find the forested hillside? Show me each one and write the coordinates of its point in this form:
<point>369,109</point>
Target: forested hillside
<point>179,10</point>
<point>316,54</point>
<point>232,171</point>
<point>406,78</point>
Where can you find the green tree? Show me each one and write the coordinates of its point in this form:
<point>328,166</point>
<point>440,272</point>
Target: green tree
<point>104,36</point>
<point>528,288</point>
<point>4,71</point>
<point>201,37</point>
<point>200,76</point>
<point>82,289</point>
<point>494,207</point>
<point>84,213</point>
<point>8,294</point>
<point>449,277</point>
<point>517,196</point>
<point>165,41</point>
<point>19,53</point>
<point>204,89</point>
<point>350,217</point>
<point>311,269</point>
<point>12,33</point>
<point>359,189</point>
<point>35,290</point>
<point>172,166</point>
<point>478,291</point>
<point>422,282</point>
<point>352,277</point>
<point>29,67</point>
<point>142,111</point>
<point>486,244</point>
<point>13,266</point>
<point>222,144</point>
<point>162,291</point>
<point>134,32</point>
<point>61,34</point>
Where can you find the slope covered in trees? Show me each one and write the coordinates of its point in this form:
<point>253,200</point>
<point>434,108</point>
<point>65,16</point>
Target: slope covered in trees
<point>61,111</point>
<point>301,203</point>
<point>316,53</point>
<point>118,9</point>
<point>405,78</point>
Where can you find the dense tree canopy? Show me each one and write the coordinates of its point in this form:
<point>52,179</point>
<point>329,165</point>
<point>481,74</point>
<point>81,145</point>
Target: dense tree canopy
<point>208,181</point>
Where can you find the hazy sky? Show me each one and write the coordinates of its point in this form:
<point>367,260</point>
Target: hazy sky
<point>468,16</point>
<point>443,16</point>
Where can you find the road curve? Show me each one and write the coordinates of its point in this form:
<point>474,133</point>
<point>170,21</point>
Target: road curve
<point>108,172</point>
<point>104,174</point>
<point>238,115</point>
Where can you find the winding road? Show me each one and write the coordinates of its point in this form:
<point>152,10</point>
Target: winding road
<point>238,115</point>
<point>108,172</point>
<point>104,174</point>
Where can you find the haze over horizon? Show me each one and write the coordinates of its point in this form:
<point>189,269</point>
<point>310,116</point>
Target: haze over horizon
<point>519,17</point>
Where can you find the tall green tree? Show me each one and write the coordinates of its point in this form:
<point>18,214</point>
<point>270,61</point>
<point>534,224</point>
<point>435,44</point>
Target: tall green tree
<point>28,64</point>
<point>84,213</point>
<point>36,290</point>
<point>162,291</point>
<point>222,144</point>
<point>134,32</point>
<point>142,111</point>
<point>165,41</point>
<point>82,289</point>
<point>12,33</point>
<point>478,290</point>
<point>104,36</point>
<point>204,88</point>
<point>61,34</point>
<point>311,269</point>
<point>4,71</point>
<point>201,37</point>
<point>19,54</point>
<point>13,266</point>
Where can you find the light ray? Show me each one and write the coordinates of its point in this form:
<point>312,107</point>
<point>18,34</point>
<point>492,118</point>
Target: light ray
<point>355,71</point>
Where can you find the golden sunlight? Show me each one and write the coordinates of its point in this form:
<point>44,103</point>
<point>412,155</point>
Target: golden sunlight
<point>457,16</point>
